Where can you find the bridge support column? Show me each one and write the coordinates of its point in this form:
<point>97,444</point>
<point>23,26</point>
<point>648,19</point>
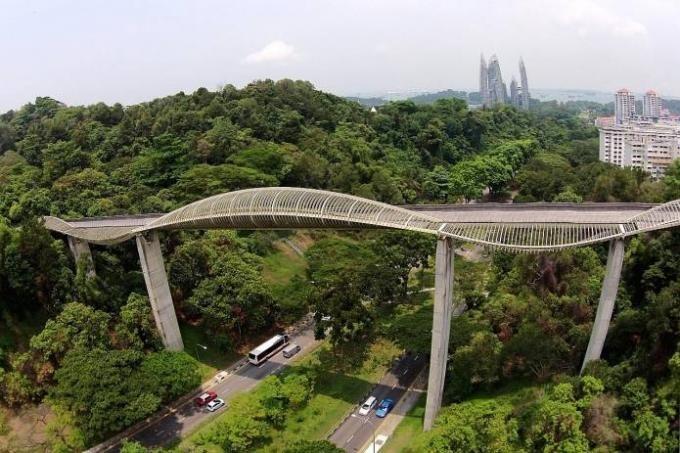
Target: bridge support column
<point>605,307</point>
<point>441,327</point>
<point>81,250</point>
<point>157,287</point>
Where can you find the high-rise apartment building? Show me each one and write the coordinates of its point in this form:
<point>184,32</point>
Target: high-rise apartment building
<point>651,105</point>
<point>648,145</point>
<point>624,106</point>
<point>515,98</point>
<point>524,93</point>
<point>492,89</point>
<point>484,81</point>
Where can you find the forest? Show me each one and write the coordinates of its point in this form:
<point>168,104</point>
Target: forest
<point>515,353</point>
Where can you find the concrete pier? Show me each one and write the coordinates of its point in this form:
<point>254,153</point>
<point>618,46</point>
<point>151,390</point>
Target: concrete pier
<point>605,307</point>
<point>157,287</point>
<point>81,250</point>
<point>441,327</point>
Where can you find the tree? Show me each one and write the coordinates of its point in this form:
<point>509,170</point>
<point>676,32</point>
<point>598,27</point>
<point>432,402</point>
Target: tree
<point>77,326</point>
<point>312,446</point>
<point>136,328</point>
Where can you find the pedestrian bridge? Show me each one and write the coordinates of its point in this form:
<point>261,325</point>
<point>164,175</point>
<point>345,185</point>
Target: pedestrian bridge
<point>529,228</point>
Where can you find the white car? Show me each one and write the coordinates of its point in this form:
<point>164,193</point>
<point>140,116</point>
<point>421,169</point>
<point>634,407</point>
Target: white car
<point>221,376</point>
<point>367,406</point>
<point>215,404</point>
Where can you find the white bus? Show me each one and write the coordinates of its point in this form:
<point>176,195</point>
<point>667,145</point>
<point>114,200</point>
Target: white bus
<point>267,349</point>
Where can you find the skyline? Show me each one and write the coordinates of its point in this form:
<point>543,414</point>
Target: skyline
<point>129,52</point>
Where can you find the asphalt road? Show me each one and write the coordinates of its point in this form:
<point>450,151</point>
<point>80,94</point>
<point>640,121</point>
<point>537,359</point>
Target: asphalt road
<point>187,417</point>
<point>356,430</point>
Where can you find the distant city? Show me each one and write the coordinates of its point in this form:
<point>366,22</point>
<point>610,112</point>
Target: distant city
<point>492,89</point>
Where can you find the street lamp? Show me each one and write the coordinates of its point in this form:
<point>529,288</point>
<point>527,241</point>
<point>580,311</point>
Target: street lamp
<point>198,345</point>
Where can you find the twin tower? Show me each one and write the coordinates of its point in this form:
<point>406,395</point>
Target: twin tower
<point>492,89</point>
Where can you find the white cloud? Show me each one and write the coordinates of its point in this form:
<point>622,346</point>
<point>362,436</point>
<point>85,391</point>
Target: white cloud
<point>274,51</point>
<point>590,17</point>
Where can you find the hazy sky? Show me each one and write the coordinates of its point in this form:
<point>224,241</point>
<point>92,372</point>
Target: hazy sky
<point>129,51</point>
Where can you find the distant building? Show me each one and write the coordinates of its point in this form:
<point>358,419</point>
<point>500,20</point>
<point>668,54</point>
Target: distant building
<point>651,105</point>
<point>651,146</point>
<point>524,96</point>
<point>624,106</point>
<point>497,91</point>
<point>493,90</point>
<point>484,81</point>
<point>515,99</point>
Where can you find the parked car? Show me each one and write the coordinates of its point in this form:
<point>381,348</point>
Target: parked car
<point>384,407</point>
<point>215,404</point>
<point>205,398</point>
<point>221,376</point>
<point>367,406</point>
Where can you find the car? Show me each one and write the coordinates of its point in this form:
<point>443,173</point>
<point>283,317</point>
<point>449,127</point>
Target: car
<point>205,398</point>
<point>290,350</point>
<point>367,406</point>
<point>215,404</point>
<point>384,407</point>
<point>221,376</point>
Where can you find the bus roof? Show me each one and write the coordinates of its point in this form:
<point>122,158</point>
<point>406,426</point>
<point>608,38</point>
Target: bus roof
<point>267,344</point>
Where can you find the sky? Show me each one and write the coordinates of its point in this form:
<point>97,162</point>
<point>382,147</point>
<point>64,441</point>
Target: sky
<point>86,51</point>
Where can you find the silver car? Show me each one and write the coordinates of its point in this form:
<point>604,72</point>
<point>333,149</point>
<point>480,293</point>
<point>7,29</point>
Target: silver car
<point>215,404</point>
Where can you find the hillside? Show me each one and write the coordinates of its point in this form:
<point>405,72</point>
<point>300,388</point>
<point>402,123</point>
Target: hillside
<point>528,318</point>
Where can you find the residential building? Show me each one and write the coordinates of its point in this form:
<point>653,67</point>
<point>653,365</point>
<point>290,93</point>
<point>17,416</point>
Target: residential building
<point>651,146</point>
<point>651,105</point>
<point>493,90</point>
<point>624,106</point>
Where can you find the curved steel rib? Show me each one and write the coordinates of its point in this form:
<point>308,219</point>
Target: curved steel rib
<point>291,208</point>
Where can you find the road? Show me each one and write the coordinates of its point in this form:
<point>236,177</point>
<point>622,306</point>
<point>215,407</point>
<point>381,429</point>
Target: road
<point>356,430</point>
<point>187,417</point>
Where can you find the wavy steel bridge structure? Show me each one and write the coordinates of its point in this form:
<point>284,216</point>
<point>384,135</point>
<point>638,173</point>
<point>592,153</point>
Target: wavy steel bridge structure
<point>528,228</point>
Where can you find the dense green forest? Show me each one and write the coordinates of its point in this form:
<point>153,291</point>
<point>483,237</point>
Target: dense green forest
<point>527,322</point>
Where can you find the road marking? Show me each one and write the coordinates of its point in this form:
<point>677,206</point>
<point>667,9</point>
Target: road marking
<point>350,438</point>
<point>405,371</point>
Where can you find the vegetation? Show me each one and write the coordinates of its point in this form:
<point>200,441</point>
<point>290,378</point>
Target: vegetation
<point>527,318</point>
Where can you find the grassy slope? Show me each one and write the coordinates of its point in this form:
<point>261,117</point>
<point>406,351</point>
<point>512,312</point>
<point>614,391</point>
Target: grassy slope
<point>410,427</point>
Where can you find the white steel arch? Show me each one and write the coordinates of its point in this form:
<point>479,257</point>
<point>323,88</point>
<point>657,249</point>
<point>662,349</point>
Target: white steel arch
<point>291,208</point>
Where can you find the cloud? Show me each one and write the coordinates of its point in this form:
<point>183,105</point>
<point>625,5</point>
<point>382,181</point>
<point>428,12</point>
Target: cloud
<point>590,17</point>
<point>274,51</point>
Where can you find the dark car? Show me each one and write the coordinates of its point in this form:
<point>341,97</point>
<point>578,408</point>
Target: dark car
<point>205,398</point>
<point>384,407</point>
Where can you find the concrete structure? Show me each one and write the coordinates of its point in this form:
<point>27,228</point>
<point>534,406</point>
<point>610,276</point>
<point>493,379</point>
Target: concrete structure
<point>624,106</point>
<point>651,146</point>
<point>605,308</point>
<point>81,251</point>
<point>157,287</point>
<point>651,105</point>
<point>441,328</point>
<point>529,228</point>
<point>498,94</point>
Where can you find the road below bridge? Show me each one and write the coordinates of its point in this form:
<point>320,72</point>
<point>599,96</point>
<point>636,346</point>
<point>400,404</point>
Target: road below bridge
<point>357,430</point>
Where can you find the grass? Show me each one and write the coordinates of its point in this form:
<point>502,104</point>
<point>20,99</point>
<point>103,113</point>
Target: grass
<point>337,391</point>
<point>211,359</point>
<point>282,265</point>
<point>341,382</point>
<point>410,426</point>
